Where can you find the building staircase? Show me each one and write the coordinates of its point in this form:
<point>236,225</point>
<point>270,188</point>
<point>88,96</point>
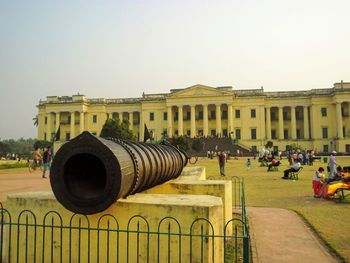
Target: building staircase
<point>220,144</point>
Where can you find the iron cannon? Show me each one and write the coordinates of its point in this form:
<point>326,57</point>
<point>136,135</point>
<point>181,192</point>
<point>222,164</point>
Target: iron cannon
<point>90,173</point>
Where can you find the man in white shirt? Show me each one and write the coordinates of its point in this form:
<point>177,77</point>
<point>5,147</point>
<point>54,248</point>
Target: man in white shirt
<point>295,167</point>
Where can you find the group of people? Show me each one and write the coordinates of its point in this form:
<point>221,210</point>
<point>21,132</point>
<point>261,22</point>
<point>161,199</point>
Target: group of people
<point>44,159</point>
<point>302,156</point>
<point>326,187</point>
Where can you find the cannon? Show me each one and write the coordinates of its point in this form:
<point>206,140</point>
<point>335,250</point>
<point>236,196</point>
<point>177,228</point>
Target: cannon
<point>90,173</point>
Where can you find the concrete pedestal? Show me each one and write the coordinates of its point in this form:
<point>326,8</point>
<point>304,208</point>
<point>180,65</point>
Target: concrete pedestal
<point>143,226</point>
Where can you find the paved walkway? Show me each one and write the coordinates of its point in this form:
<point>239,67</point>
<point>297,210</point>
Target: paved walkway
<point>280,235</point>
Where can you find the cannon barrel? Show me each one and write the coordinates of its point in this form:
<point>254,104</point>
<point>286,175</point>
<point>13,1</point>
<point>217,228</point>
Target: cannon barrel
<point>90,173</point>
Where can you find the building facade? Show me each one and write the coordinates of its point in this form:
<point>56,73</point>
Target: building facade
<point>315,119</point>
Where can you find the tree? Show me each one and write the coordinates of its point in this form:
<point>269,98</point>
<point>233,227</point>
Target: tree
<point>4,148</point>
<point>41,144</point>
<point>197,145</point>
<point>269,144</point>
<point>181,142</point>
<point>36,120</point>
<point>113,128</point>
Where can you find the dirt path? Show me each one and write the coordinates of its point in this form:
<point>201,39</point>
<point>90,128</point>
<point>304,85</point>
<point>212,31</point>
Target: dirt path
<point>280,235</point>
<point>23,181</point>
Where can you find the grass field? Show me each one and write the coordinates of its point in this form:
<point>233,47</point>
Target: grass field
<point>329,219</point>
<point>12,166</point>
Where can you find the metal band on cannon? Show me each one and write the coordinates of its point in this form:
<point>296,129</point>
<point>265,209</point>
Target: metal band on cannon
<point>90,173</point>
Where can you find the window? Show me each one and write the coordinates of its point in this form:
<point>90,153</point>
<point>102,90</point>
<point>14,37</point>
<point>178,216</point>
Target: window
<point>165,116</point>
<point>151,116</point>
<point>67,136</point>
<point>224,132</point>
<point>324,112</point>
<point>176,132</point>
<point>212,115</point>
<point>253,113</point>
<point>200,115</point>
<point>176,116</point>
<point>253,134</point>
<point>238,114</point>
<point>254,149</point>
<point>273,116</point>
<point>343,131</point>
<point>213,132</point>
<point>45,138</point>
<point>298,115</point>
<point>273,134</point>
<point>188,115</point>
<point>45,121</point>
<point>324,132</point>
<point>94,118</point>
<point>238,134</point>
<point>69,118</point>
<point>347,148</point>
<point>224,115</point>
<point>285,134</point>
<point>285,116</point>
<point>325,148</point>
<point>298,133</point>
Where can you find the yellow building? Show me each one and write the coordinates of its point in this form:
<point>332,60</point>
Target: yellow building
<point>315,119</point>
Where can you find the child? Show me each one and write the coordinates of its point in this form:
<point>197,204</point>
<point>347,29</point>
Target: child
<point>248,164</point>
<point>317,181</point>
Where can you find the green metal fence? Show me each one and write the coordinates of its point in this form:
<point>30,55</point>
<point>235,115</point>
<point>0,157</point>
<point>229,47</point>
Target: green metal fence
<point>26,237</point>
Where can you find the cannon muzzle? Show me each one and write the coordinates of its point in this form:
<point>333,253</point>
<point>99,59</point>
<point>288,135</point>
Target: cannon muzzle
<point>90,173</point>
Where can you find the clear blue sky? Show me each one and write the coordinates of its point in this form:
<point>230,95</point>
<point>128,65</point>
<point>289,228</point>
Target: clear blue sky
<point>123,48</point>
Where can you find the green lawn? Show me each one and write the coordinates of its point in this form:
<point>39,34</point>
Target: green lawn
<point>12,166</point>
<point>330,220</point>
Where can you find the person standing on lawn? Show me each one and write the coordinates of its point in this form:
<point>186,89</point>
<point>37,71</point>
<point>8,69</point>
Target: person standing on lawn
<point>47,160</point>
<point>222,161</point>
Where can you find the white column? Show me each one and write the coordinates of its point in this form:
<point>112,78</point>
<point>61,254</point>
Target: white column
<point>205,120</point>
<point>339,120</point>
<point>268,123</point>
<point>262,123</point>
<point>193,121</point>
<point>48,127</point>
<point>218,119</point>
<point>141,127</point>
<point>313,124</point>
<point>82,122</point>
<point>72,124</point>
<point>230,119</point>
<point>280,123</point>
<point>293,122</point>
<point>131,120</point>
<point>180,120</point>
<point>306,123</point>
<point>170,121</point>
<point>57,121</point>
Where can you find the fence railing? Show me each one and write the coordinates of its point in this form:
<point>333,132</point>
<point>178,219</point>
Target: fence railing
<point>54,237</point>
